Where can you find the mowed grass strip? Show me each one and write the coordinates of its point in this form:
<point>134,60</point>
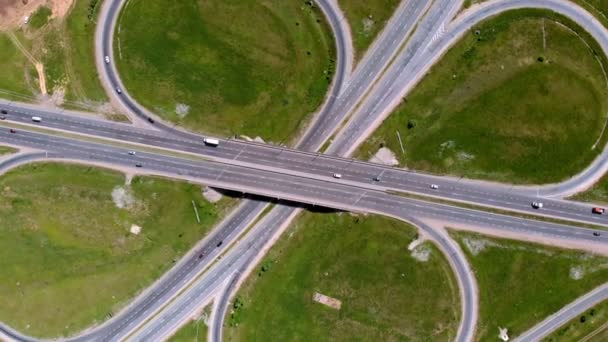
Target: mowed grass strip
<point>366,19</point>
<point>588,325</point>
<point>239,67</point>
<point>521,98</point>
<point>520,284</point>
<point>67,257</point>
<point>386,293</point>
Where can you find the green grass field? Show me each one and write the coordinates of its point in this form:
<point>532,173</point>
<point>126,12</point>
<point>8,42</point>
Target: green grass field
<point>520,284</point>
<point>66,253</point>
<point>386,294</point>
<point>15,70</point>
<point>366,19</point>
<point>507,103</point>
<point>586,326</point>
<point>245,67</point>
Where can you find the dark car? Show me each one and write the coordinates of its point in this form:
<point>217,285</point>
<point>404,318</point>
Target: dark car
<point>3,111</point>
<point>200,256</point>
<point>150,120</point>
<point>219,243</point>
<point>598,210</point>
<point>596,234</point>
<point>138,165</point>
<point>12,131</point>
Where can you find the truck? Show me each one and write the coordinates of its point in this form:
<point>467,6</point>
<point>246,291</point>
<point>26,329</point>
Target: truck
<point>211,142</point>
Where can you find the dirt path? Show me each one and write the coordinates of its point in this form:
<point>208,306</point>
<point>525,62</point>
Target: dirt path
<point>39,67</point>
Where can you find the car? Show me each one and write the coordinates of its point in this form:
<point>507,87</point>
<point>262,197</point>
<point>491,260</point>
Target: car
<point>36,118</point>
<point>598,210</point>
<point>200,256</point>
<point>2,117</point>
<point>211,142</point>
<point>434,186</point>
<point>537,205</point>
<point>107,59</point>
<point>131,153</point>
<point>337,175</point>
<point>138,165</point>
<point>377,178</point>
<point>3,111</point>
<point>596,234</point>
<point>219,243</point>
<point>118,90</point>
<point>12,131</point>
<point>150,120</point>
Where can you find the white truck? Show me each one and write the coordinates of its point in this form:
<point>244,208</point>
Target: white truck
<point>211,142</point>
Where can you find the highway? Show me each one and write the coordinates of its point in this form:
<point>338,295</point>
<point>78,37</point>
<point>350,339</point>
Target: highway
<point>563,316</point>
<point>294,161</point>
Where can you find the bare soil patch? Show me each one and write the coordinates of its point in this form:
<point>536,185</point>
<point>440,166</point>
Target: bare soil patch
<point>13,12</point>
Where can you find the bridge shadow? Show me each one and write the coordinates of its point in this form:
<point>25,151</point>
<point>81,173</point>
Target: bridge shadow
<point>292,204</point>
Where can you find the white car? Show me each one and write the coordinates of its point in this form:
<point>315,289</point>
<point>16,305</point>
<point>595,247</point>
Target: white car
<point>118,90</point>
<point>107,59</point>
<point>537,205</point>
<point>131,153</point>
<point>337,175</point>
<point>434,186</point>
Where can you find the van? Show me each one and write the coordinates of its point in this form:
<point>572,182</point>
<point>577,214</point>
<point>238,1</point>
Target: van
<point>36,118</point>
<point>211,142</point>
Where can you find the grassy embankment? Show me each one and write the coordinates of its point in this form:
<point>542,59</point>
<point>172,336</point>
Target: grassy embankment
<point>521,98</point>
<point>386,293</point>
<point>245,67</point>
<point>66,249</point>
<point>520,284</point>
<point>366,19</point>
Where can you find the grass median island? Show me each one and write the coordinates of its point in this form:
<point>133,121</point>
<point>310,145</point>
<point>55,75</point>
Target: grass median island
<point>4,150</point>
<point>367,18</point>
<point>386,293</point>
<point>244,67</point>
<point>521,98</point>
<point>587,326</point>
<point>520,284</point>
<point>67,253</point>
<point>598,193</point>
<point>194,331</point>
